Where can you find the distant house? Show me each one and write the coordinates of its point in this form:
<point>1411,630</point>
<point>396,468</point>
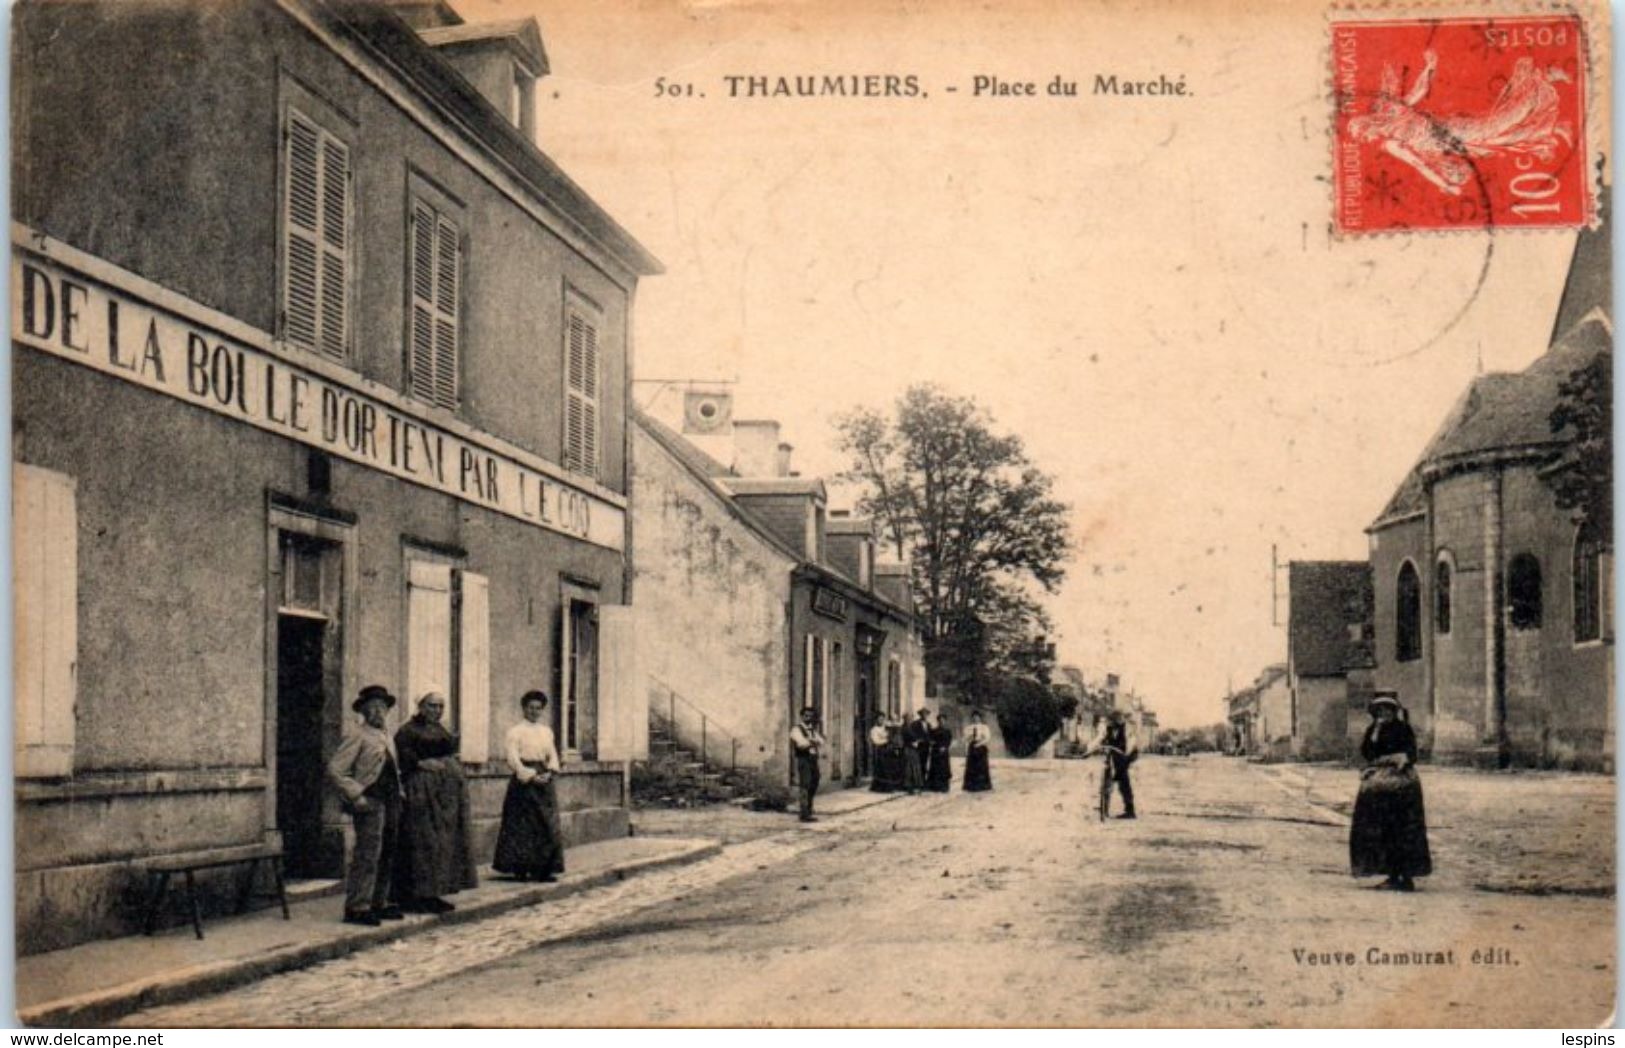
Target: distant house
<point>1274,724</point>
<point>1493,609</point>
<point>1328,639</point>
<point>1242,713</point>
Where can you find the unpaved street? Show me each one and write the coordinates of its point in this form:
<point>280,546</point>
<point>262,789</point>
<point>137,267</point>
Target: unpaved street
<point>1227,904</point>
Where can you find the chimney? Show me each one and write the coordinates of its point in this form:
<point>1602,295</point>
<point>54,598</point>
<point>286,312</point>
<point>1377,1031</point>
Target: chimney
<point>756,448</point>
<point>501,60</point>
<point>784,460</point>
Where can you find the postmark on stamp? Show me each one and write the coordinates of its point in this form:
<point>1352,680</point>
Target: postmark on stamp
<point>1460,123</point>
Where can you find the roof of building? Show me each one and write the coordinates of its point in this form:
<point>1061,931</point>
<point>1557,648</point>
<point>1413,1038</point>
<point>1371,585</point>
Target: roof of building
<point>701,466</point>
<point>378,27</point>
<point>849,526</point>
<point>718,480</point>
<point>1502,412</point>
<point>520,35</point>
<point>774,486</point>
<point>1330,603</point>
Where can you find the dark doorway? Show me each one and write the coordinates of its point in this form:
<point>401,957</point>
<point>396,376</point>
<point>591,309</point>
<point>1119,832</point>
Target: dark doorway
<point>865,718</point>
<point>301,699</point>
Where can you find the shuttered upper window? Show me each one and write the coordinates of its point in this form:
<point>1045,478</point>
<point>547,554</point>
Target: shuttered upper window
<point>316,221</point>
<point>435,257</point>
<point>581,390</point>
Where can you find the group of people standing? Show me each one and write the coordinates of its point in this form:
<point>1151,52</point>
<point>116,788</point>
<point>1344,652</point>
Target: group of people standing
<point>408,799</point>
<point>912,756</point>
<point>915,756</point>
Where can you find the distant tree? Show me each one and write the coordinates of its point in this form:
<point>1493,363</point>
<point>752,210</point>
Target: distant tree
<point>1584,414</point>
<point>977,519</point>
<point>1028,714</point>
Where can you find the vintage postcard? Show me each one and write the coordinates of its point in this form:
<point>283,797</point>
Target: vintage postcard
<point>548,513</point>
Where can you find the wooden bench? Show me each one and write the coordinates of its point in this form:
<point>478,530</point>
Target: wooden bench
<point>160,871</point>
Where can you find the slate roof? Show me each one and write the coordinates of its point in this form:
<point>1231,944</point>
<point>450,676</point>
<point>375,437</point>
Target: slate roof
<point>1330,607</point>
<point>1503,412</point>
<point>1510,412</point>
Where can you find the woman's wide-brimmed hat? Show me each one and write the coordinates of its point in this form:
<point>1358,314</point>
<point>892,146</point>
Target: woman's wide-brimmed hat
<point>533,696</point>
<point>1383,698</point>
<point>371,692</point>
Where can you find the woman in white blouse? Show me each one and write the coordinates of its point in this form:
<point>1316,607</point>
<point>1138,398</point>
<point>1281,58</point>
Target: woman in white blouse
<point>977,777</point>
<point>528,845</point>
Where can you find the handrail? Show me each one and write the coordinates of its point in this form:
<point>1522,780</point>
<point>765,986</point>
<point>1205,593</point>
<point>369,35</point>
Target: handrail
<point>707,722</point>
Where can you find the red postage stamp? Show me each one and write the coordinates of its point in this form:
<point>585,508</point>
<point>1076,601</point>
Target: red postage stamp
<point>1460,123</point>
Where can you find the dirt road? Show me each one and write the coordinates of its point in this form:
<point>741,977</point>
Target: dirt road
<point>1228,903</point>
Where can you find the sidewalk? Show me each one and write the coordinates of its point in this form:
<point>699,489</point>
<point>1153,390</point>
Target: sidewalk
<point>95,983</point>
<point>733,823</point>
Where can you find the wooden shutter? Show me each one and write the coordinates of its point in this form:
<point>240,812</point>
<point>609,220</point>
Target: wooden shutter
<point>623,699</point>
<point>316,235</point>
<point>566,695</point>
<point>436,279</point>
<point>421,358</point>
<point>474,667</point>
<point>428,632</point>
<point>45,558</point>
<point>447,293</point>
<point>581,395</point>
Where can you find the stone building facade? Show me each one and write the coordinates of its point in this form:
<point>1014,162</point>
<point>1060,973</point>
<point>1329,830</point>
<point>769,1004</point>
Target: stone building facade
<point>1494,615</point>
<point>320,374</point>
<point>755,602</point>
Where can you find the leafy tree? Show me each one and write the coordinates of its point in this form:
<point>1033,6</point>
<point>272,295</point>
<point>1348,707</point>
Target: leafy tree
<point>1027,712</point>
<point>978,520</point>
<point>1585,411</point>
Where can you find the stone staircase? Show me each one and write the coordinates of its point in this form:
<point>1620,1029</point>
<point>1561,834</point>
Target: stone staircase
<point>675,776</point>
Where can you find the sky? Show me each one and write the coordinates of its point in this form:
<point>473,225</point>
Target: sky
<point>1145,288</point>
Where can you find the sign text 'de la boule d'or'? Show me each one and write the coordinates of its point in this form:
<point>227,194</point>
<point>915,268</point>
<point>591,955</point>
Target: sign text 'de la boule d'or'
<point>70,315</point>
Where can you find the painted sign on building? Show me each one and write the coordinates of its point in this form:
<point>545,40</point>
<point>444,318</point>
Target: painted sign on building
<point>92,321</point>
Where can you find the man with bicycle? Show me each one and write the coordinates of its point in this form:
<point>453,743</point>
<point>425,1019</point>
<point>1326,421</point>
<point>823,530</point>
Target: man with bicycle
<point>1119,742</point>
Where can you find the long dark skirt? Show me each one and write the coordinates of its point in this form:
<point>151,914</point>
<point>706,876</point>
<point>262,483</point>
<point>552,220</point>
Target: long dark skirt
<point>1389,835</point>
<point>913,769</point>
<point>433,857</point>
<point>888,769</point>
<point>529,845</point>
<point>977,775</point>
<point>940,773</point>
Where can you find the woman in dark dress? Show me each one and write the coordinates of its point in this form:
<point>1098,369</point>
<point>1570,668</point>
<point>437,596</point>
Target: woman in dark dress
<point>1389,835</point>
<point>529,844</point>
<point>887,740</point>
<point>433,857</point>
<point>939,771</point>
<point>977,775</point>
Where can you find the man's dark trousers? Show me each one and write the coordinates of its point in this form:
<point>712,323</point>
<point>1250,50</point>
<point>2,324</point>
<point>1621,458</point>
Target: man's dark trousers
<point>807,778</point>
<point>1120,776</point>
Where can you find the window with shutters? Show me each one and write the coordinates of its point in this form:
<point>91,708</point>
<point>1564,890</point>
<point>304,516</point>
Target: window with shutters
<point>434,257</point>
<point>317,206</point>
<point>448,649</point>
<point>581,385</point>
<point>45,667</point>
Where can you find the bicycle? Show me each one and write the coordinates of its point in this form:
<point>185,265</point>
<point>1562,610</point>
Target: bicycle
<point>1106,780</point>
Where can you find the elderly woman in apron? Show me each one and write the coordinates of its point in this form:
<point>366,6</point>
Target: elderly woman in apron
<point>1389,835</point>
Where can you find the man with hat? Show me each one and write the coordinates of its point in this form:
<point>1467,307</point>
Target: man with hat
<point>916,749</point>
<point>1122,746</point>
<point>366,772</point>
<point>806,741</point>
